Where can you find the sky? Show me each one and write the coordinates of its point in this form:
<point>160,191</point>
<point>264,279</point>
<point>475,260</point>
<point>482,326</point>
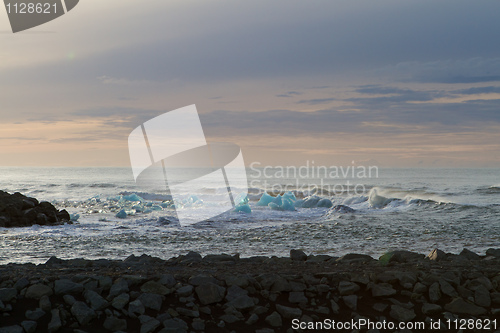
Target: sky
<point>391,83</point>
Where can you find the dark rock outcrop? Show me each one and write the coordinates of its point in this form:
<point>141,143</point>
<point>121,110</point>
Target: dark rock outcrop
<point>17,210</point>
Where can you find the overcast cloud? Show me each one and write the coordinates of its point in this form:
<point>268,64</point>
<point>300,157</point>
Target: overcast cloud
<point>286,68</point>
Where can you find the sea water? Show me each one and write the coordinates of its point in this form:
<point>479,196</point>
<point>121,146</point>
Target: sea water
<point>413,209</point>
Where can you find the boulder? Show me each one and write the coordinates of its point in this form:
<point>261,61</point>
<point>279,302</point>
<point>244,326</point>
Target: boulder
<point>37,291</point>
<point>210,293</point>
<point>17,210</point>
<point>460,307</point>
<point>437,255</point>
<point>298,255</point>
<point>82,313</point>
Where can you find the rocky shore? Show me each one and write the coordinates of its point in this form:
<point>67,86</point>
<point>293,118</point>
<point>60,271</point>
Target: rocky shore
<point>225,293</point>
<point>18,210</point>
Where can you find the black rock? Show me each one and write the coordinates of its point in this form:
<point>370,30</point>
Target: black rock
<point>437,255</point>
<point>470,255</point>
<point>298,255</point>
<point>493,252</point>
<point>17,210</point>
<point>401,256</point>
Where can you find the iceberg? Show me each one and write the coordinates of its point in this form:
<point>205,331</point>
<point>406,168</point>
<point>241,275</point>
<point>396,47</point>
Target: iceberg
<point>244,208</point>
<point>242,205</point>
<point>265,200</point>
<point>299,203</point>
<point>277,200</point>
<point>289,196</point>
<point>285,202</point>
<point>166,204</point>
<point>274,206</point>
<point>124,213</point>
<point>327,203</point>
<point>288,205</point>
<point>132,197</point>
<point>121,214</point>
<point>138,208</point>
<point>311,202</point>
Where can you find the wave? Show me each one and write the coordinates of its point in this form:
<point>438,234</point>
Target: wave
<point>93,185</point>
<point>486,190</point>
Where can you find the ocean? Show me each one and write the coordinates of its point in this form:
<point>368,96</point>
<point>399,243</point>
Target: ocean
<point>412,209</point>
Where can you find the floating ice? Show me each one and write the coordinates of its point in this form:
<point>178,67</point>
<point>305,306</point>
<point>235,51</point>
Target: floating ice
<point>289,196</point>
<point>265,200</point>
<point>288,204</point>
<point>121,214</point>
<point>244,208</point>
<point>166,204</point>
<point>138,208</point>
<point>274,206</point>
<point>327,203</point>
<point>74,217</point>
<point>132,197</point>
<point>310,202</point>
<point>299,203</point>
<point>285,202</point>
<point>277,200</point>
<point>124,213</point>
<point>242,205</point>
<point>313,202</point>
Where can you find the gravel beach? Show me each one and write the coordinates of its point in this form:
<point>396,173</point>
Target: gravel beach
<point>226,293</point>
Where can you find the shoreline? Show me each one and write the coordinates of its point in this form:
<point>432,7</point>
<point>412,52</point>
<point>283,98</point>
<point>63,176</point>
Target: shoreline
<point>224,293</point>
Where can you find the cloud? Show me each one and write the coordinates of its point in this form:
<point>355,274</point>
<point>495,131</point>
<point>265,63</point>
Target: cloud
<point>289,94</point>
<point>393,95</point>
<point>472,70</point>
<point>317,101</point>
<point>121,117</point>
<point>399,118</point>
<point>478,90</point>
<point>381,90</point>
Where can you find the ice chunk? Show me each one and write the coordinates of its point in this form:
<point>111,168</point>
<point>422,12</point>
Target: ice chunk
<point>274,206</point>
<point>288,205</point>
<point>265,199</point>
<point>277,200</point>
<point>311,202</point>
<point>132,197</point>
<point>121,214</point>
<point>166,204</point>
<point>244,208</point>
<point>192,199</point>
<point>290,196</point>
<point>138,208</point>
<point>299,203</point>
<point>242,204</point>
<point>325,203</point>
<point>74,217</point>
